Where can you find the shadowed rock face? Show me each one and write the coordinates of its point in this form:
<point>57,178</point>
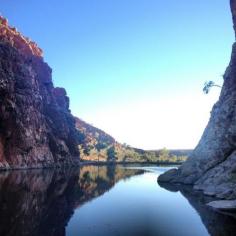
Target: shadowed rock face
<point>41,202</point>
<point>217,224</point>
<point>36,126</point>
<point>233,10</point>
<point>212,165</point>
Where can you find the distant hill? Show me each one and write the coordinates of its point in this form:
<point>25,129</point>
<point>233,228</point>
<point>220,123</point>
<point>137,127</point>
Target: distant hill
<point>175,152</point>
<point>96,145</point>
<point>181,152</point>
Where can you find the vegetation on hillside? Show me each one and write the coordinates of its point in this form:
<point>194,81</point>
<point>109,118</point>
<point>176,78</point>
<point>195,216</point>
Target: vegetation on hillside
<point>96,145</point>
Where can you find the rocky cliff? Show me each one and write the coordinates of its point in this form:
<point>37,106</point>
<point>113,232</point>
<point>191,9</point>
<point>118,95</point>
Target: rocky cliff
<point>36,126</point>
<point>212,165</point>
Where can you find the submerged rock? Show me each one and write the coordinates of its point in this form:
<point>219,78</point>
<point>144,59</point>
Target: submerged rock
<point>212,165</point>
<point>36,126</point>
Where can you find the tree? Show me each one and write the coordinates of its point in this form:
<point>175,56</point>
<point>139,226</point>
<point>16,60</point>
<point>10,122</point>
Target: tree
<point>164,155</point>
<point>81,137</point>
<point>208,85</point>
<point>100,145</point>
<point>111,153</point>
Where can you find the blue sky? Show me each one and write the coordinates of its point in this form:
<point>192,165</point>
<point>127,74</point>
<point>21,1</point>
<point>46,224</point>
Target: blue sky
<point>134,68</point>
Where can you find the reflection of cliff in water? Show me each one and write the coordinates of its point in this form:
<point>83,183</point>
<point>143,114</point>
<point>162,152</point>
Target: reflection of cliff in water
<point>41,202</point>
<point>217,224</point>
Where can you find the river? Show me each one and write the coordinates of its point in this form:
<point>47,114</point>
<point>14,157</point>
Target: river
<point>104,201</point>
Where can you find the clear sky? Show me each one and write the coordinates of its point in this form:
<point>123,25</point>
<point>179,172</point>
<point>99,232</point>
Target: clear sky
<point>134,68</point>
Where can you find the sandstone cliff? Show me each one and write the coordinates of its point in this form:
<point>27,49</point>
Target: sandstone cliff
<point>212,165</point>
<point>36,126</point>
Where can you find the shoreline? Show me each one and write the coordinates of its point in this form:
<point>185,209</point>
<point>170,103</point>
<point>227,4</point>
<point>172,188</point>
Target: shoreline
<point>85,163</point>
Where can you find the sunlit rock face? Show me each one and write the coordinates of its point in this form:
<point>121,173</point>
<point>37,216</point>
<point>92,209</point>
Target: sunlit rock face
<point>36,126</point>
<point>23,44</point>
<point>212,166</point>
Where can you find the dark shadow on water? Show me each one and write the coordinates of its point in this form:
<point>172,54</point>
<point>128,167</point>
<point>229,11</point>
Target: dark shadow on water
<point>41,202</point>
<point>217,224</point>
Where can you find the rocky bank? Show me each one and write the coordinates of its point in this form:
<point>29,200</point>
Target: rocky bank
<point>212,165</point>
<point>36,126</point>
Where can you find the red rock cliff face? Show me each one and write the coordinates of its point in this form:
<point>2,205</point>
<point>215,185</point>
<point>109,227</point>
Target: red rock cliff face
<point>36,126</point>
<point>23,44</point>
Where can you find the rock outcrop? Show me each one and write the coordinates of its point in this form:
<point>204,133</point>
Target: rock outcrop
<point>23,44</point>
<point>212,165</point>
<point>36,126</point>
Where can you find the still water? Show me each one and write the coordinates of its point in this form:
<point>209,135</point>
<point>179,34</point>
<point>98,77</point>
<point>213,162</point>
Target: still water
<point>104,201</point>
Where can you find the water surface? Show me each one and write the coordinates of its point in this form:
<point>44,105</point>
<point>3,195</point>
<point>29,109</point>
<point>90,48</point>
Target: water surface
<point>104,200</point>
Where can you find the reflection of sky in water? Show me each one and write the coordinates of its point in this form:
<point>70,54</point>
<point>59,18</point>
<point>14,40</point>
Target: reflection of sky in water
<point>104,200</point>
<point>137,206</point>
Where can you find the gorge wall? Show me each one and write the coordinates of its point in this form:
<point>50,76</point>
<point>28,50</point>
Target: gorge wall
<point>36,126</point>
<point>212,165</point>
